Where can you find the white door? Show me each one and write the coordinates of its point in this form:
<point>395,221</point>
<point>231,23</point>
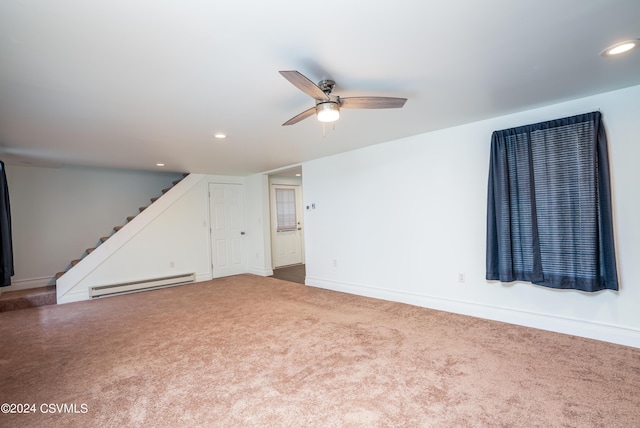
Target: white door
<point>286,225</point>
<point>226,207</point>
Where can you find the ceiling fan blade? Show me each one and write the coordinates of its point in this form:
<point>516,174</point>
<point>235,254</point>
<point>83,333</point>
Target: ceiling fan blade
<point>372,102</point>
<point>304,84</point>
<point>305,114</point>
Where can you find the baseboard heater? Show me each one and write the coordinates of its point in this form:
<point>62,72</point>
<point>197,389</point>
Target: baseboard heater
<point>142,285</point>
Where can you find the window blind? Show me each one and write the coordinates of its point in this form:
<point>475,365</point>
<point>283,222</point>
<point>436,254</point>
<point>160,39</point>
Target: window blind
<point>286,210</point>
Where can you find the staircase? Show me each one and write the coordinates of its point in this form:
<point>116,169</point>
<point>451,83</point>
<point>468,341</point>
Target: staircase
<point>43,296</point>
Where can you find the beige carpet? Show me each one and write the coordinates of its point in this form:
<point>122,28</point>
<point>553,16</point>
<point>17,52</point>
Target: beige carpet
<point>31,298</point>
<point>251,351</point>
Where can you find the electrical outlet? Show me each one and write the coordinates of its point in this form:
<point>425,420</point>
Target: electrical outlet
<point>335,263</point>
<point>461,278</point>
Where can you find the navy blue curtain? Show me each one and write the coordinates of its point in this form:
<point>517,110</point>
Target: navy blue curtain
<point>6,245</point>
<point>549,217</point>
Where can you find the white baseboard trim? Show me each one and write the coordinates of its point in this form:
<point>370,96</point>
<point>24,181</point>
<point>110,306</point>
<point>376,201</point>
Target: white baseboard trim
<point>200,277</point>
<point>260,271</point>
<point>25,284</point>
<point>591,330</point>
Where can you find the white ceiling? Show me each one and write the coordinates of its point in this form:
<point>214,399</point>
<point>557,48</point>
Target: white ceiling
<point>129,83</point>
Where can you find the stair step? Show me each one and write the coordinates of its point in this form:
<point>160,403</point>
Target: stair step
<point>89,250</point>
<point>75,262</point>
<point>59,274</point>
<point>131,218</point>
<point>154,199</point>
<point>31,298</point>
<point>142,209</point>
<point>104,239</point>
<point>117,228</point>
<point>166,190</point>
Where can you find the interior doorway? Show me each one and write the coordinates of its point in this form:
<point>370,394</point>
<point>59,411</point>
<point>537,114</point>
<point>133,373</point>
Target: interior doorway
<point>287,218</point>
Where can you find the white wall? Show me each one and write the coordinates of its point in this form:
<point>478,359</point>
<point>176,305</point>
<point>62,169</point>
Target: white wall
<point>59,212</point>
<point>401,220</point>
<point>258,240</point>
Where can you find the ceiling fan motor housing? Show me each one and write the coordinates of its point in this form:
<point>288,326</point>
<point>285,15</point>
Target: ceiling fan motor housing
<point>326,86</point>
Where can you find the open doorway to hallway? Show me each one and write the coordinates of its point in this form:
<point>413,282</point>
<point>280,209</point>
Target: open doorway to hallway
<point>287,224</point>
<point>287,218</point>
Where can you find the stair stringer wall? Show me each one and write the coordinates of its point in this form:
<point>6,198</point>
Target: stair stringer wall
<point>170,237</point>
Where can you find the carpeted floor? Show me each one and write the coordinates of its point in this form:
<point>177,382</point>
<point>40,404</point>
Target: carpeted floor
<point>31,298</point>
<point>252,351</point>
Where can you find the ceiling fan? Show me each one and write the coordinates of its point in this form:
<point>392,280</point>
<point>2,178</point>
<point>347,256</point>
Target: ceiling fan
<point>328,106</point>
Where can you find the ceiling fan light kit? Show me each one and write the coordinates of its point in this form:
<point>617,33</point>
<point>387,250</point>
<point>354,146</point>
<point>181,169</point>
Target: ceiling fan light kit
<point>328,111</point>
<point>327,107</point>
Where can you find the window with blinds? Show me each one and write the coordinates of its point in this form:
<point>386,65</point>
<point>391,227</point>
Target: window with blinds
<point>286,210</point>
<point>549,218</point>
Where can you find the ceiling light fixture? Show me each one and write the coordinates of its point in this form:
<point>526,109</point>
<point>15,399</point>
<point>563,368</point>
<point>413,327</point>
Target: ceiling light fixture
<point>328,111</point>
<point>219,135</point>
<point>159,164</point>
<point>619,48</point>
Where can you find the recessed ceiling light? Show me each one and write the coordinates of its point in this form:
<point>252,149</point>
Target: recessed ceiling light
<point>219,135</point>
<point>159,164</point>
<point>619,48</point>
<point>298,175</point>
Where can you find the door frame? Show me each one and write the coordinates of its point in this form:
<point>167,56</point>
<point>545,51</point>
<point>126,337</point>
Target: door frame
<point>286,181</point>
